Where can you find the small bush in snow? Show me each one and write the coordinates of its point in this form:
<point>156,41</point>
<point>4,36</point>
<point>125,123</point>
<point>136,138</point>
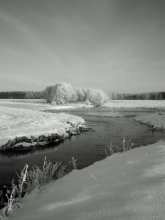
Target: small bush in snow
<point>60,93</point>
<point>38,177</point>
<point>127,144</point>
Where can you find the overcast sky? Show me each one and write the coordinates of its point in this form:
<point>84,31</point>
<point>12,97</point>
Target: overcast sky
<point>115,45</point>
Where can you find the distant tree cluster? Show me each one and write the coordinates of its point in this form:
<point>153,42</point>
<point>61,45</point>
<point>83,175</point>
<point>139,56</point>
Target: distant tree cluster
<point>62,93</point>
<point>21,95</point>
<point>141,96</point>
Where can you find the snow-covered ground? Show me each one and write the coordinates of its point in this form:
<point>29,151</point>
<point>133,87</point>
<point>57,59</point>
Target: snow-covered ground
<point>136,104</point>
<point>156,120</point>
<point>35,101</point>
<point>28,127</point>
<point>125,186</point>
<point>39,104</point>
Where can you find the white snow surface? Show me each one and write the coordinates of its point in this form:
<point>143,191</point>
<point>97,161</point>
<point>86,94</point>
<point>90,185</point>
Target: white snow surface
<point>156,120</point>
<point>40,104</point>
<point>125,186</point>
<point>20,122</point>
<point>135,104</point>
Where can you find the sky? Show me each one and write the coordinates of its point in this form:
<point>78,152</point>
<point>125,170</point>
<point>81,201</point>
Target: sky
<point>115,45</point>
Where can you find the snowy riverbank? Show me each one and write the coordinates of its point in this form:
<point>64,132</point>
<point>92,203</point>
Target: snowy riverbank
<point>40,104</point>
<point>155,120</point>
<point>21,128</point>
<point>124,186</point>
<point>136,104</point>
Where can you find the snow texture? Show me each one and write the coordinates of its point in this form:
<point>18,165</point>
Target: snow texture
<point>124,186</point>
<point>135,104</point>
<point>155,120</point>
<point>40,104</point>
<point>25,128</point>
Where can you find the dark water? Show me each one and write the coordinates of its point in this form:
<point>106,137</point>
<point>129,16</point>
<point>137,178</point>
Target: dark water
<point>87,147</point>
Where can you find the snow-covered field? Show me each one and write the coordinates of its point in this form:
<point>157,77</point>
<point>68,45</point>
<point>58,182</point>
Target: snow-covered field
<point>156,120</point>
<point>35,101</point>
<point>29,128</point>
<point>39,104</point>
<point>159,104</point>
<point>125,186</point>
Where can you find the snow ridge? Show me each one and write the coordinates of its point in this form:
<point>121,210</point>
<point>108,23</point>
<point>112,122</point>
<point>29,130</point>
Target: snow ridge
<point>26,129</point>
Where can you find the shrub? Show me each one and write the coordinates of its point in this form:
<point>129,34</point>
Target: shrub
<point>63,93</point>
<point>60,93</point>
<point>97,97</point>
<point>38,177</point>
<point>81,94</point>
<point>48,95</point>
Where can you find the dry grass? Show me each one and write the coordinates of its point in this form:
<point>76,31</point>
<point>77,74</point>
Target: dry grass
<point>33,179</point>
<point>126,145</point>
<point>38,177</point>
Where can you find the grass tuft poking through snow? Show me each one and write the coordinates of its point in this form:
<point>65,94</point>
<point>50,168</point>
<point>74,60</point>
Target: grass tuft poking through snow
<point>125,186</point>
<point>127,144</point>
<point>36,178</point>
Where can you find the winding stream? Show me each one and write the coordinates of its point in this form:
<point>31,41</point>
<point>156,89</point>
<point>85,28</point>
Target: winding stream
<point>87,147</point>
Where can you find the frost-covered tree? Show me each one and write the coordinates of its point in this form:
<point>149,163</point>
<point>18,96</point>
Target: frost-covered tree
<point>62,93</point>
<point>81,94</point>
<point>48,94</point>
<point>59,94</point>
<point>97,97</point>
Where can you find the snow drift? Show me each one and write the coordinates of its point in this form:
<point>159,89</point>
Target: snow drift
<point>155,120</point>
<point>27,128</point>
<point>124,186</point>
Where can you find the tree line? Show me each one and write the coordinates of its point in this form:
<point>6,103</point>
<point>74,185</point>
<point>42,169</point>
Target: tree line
<point>140,96</point>
<point>61,93</point>
<point>21,95</point>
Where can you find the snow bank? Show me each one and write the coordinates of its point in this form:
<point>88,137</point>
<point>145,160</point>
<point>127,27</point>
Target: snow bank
<point>26,128</point>
<point>135,104</point>
<point>156,120</point>
<point>124,186</point>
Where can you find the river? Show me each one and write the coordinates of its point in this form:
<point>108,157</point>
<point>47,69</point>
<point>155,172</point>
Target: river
<point>87,148</point>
